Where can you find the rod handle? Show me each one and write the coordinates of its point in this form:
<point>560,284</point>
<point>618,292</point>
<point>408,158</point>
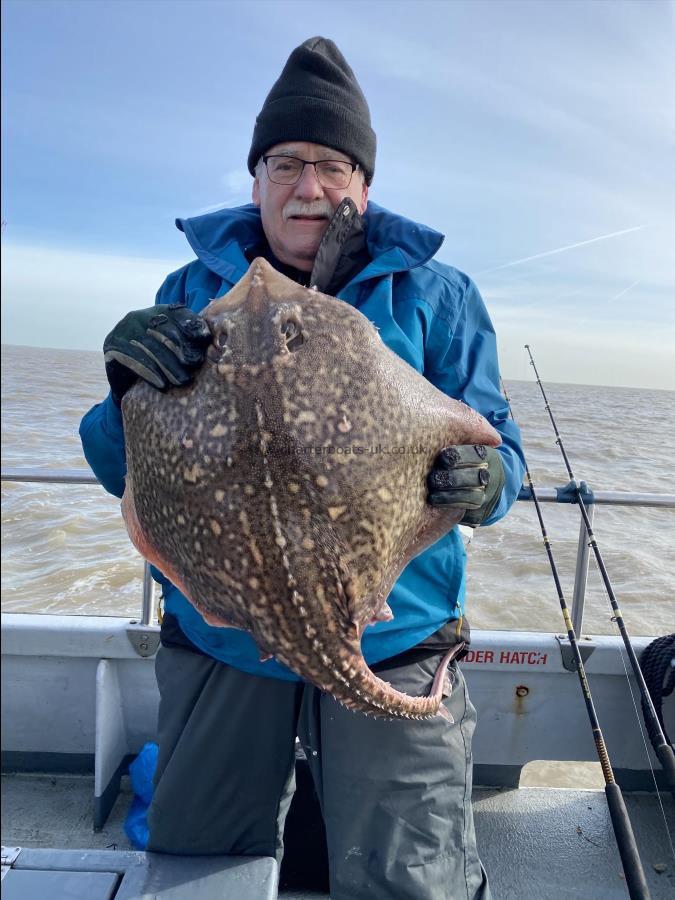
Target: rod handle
<point>625,839</point>
<point>666,757</point>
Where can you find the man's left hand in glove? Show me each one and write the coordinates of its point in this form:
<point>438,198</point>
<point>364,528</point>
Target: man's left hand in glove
<point>468,476</point>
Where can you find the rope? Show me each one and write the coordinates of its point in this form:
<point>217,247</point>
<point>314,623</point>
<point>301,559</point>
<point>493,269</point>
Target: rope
<point>658,667</point>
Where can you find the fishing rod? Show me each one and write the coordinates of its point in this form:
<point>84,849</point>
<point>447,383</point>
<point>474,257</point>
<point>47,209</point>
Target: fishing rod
<point>636,881</point>
<point>662,748</point>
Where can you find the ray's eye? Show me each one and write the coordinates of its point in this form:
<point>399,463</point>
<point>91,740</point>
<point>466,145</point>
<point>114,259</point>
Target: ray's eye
<point>293,334</point>
<point>221,338</point>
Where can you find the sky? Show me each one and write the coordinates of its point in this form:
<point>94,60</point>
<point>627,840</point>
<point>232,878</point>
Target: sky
<point>538,137</point>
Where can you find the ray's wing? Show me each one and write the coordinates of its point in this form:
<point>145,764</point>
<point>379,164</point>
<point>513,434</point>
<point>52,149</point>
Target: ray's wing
<point>185,465</point>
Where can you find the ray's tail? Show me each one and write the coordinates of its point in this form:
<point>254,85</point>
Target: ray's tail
<point>353,685</point>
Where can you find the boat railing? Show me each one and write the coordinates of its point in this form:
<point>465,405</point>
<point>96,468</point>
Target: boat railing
<point>566,494</point>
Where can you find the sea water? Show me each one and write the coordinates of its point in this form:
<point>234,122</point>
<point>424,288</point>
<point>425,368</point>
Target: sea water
<point>65,549</point>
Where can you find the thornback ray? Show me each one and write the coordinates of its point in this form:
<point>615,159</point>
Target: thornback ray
<point>284,489</point>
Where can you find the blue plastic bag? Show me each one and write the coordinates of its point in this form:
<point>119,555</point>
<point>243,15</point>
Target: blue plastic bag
<point>142,771</point>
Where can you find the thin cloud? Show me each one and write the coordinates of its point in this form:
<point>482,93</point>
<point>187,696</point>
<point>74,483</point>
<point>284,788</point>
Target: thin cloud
<point>223,204</point>
<point>237,181</point>
<point>525,259</point>
<point>238,184</point>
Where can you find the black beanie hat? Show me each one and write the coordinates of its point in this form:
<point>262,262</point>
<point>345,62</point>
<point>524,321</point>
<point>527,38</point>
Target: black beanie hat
<point>318,99</point>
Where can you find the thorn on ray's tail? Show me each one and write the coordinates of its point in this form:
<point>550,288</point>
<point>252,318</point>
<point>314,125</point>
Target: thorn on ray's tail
<point>442,680</point>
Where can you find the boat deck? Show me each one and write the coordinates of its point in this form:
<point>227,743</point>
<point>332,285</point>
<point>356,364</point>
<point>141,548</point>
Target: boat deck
<point>536,843</point>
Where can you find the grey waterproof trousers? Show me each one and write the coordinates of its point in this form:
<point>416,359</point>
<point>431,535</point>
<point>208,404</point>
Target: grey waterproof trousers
<point>395,795</point>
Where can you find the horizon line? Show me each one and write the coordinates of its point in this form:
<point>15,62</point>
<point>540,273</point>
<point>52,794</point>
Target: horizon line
<point>629,387</point>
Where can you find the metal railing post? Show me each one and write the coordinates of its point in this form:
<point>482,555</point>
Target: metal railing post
<point>148,611</point>
<point>581,573</point>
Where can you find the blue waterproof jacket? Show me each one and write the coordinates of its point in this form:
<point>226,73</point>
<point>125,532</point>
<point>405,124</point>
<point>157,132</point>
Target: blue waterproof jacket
<point>432,316</point>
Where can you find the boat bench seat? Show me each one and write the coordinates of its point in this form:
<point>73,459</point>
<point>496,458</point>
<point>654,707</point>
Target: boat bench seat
<point>129,875</point>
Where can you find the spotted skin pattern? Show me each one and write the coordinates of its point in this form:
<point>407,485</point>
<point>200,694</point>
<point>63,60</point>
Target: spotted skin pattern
<point>260,491</point>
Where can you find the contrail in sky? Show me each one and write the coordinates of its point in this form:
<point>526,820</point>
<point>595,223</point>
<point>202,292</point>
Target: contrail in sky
<point>603,237</point>
<point>624,291</point>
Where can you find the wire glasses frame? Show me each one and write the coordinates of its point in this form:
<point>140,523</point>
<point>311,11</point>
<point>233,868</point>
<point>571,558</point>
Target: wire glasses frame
<point>335,174</point>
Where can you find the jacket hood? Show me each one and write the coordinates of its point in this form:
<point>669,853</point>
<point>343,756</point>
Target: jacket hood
<point>220,238</point>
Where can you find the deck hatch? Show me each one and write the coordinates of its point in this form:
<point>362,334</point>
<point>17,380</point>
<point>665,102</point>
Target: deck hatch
<point>129,875</point>
<point>34,884</point>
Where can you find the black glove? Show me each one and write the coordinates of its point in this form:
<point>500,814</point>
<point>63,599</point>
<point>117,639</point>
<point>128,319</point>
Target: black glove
<point>468,476</point>
<point>163,345</point>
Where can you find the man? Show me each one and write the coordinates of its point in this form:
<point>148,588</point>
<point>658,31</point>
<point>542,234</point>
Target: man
<point>395,795</point>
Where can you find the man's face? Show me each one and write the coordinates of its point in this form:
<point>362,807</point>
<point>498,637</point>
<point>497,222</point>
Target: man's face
<point>295,216</point>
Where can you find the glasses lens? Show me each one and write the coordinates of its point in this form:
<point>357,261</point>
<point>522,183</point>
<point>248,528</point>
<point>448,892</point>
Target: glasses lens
<point>334,174</point>
<point>284,169</point>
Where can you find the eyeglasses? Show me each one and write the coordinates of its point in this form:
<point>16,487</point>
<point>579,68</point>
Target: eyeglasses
<point>334,174</point>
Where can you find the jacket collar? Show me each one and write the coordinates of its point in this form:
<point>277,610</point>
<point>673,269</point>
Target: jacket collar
<point>395,244</point>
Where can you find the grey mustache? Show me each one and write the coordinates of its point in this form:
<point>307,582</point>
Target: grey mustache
<point>318,208</point>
